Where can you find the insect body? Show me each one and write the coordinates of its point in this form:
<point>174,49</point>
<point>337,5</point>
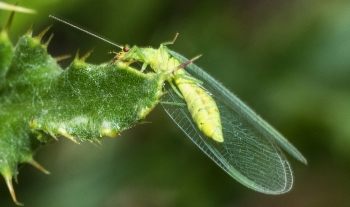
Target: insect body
<point>200,104</point>
<point>242,143</point>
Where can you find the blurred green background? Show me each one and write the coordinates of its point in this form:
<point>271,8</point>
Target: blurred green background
<point>288,60</point>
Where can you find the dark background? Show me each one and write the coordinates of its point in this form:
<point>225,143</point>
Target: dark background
<point>288,60</point>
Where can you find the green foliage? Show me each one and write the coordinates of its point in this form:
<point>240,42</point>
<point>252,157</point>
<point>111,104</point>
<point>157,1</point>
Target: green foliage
<point>39,101</point>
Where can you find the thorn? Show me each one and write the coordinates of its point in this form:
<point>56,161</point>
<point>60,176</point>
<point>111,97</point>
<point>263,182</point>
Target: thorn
<point>40,36</point>
<point>77,55</point>
<point>71,138</point>
<point>97,143</point>
<point>60,58</point>
<point>30,30</point>
<point>64,133</point>
<point>86,55</point>
<point>48,41</point>
<point>38,166</point>
<point>8,180</point>
<point>33,124</point>
<point>9,22</point>
<point>16,178</point>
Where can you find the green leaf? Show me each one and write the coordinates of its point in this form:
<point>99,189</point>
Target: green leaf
<point>40,101</point>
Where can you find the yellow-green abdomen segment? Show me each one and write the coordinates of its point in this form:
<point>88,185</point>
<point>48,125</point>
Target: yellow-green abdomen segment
<point>201,106</point>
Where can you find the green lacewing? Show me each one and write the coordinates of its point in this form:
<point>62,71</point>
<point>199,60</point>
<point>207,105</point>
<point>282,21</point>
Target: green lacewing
<point>249,149</point>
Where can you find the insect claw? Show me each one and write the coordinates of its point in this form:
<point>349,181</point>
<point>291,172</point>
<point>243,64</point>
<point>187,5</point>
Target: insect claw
<point>144,66</point>
<point>38,166</point>
<point>160,93</point>
<point>9,184</point>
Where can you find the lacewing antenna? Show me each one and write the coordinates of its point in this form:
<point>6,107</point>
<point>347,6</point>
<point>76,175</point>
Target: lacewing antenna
<point>16,8</point>
<point>87,32</point>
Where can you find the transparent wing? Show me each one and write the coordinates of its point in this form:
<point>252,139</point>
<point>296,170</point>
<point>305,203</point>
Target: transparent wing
<point>249,152</point>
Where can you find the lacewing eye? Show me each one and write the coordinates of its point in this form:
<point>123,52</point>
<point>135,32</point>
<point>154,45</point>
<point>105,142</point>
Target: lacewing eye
<point>126,48</point>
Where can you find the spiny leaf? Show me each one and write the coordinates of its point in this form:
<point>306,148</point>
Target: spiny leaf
<point>40,102</point>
